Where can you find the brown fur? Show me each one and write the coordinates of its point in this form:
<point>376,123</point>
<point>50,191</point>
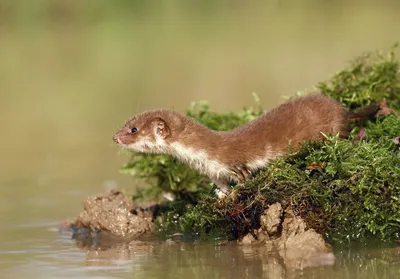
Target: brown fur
<point>265,138</point>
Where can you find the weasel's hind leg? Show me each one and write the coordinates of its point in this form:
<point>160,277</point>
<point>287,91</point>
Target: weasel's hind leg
<point>240,172</point>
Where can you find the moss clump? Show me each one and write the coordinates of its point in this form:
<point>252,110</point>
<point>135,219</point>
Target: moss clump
<point>345,189</point>
<point>370,78</point>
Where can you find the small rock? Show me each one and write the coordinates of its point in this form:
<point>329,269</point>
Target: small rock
<point>297,246</point>
<point>110,214</point>
<point>271,218</point>
<point>292,225</point>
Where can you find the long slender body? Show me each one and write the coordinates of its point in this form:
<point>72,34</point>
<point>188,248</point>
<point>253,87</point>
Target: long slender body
<point>233,155</point>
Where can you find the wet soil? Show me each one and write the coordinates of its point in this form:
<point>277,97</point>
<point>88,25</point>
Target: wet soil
<point>111,215</point>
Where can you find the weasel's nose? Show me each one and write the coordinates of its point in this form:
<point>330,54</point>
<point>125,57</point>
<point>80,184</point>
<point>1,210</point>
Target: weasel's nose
<point>115,138</point>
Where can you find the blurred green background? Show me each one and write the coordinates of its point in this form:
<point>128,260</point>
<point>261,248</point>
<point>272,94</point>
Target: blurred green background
<point>72,71</point>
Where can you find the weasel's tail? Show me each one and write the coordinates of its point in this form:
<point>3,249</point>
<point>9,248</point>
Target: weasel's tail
<point>365,113</point>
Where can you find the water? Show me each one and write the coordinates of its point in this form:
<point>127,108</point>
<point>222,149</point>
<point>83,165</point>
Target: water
<point>71,73</point>
<point>53,256</point>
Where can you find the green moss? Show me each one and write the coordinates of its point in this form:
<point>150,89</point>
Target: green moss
<point>369,79</point>
<point>345,189</point>
<point>388,127</point>
<point>352,194</point>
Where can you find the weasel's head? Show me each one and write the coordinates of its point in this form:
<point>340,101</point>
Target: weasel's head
<point>145,132</point>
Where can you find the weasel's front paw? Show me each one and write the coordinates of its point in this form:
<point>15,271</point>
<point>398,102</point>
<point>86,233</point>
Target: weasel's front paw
<point>222,192</point>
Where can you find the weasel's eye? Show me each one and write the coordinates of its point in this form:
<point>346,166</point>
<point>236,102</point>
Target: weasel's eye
<point>134,130</point>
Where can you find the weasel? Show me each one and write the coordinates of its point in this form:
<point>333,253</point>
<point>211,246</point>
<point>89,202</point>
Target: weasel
<point>234,155</point>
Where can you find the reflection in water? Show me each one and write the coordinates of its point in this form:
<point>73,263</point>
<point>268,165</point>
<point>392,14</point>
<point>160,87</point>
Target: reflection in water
<point>180,260</point>
<point>53,255</point>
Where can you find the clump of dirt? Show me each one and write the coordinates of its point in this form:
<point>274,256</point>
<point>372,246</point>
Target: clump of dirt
<point>111,215</point>
<point>283,232</point>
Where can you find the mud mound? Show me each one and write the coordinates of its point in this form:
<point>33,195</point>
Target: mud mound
<point>112,215</point>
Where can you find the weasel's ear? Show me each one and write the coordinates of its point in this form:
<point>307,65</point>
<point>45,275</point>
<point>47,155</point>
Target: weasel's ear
<point>161,128</point>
